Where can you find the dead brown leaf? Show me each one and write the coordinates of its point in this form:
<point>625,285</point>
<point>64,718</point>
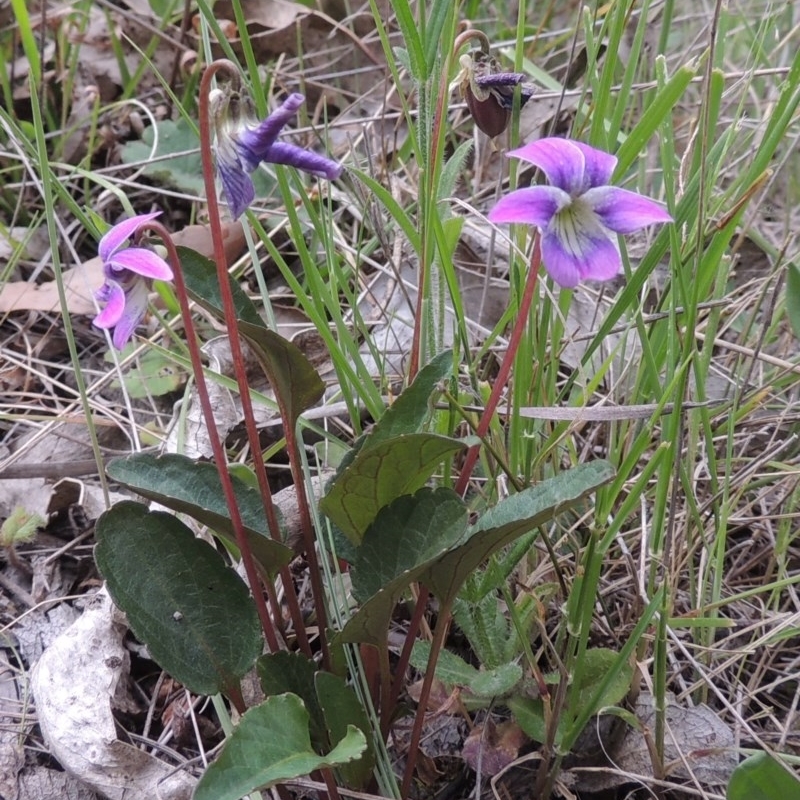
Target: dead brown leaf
<point>698,746</point>
<point>281,28</point>
<point>493,747</point>
<point>74,683</point>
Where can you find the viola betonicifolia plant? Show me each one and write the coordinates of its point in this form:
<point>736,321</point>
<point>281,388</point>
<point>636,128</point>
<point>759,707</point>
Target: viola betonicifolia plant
<point>430,537</point>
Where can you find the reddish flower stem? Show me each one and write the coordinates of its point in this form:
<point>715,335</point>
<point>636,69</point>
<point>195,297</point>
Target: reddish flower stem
<point>430,181</point>
<point>237,357</point>
<point>439,635</point>
<point>505,368</point>
<point>216,444</point>
<point>405,657</point>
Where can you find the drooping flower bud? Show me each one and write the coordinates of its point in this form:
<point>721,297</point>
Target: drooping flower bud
<point>487,90</point>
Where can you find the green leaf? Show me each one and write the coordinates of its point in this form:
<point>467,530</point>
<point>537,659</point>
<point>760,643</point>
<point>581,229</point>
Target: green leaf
<point>454,671</point>
<point>509,519</point>
<point>184,171</point>
<point>284,672</point>
<point>529,714</point>
<point>164,8</point>
<point>332,706</point>
<point>396,211</point>
<point>194,488</point>
<point>453,170</point>
<point>487,627</point>
<point>762,777</point>
<point>410,31</point>
<point>437,13</point>
<point>410,413</point>
<point>342,709</point>
<point>20,526</point>
<point>271,744</point>
<point>450,668</point>
<point>497,682</point>
<point>193,612</point>
<point>413,409</point>
<point>658,109</point>
<point>406,534</point>
<point>793,297</point>
<point>294,380</point>
<point>377,475</point>
<point>296,383</point>
<point>597,663</point>
<point>202,283</point>
<point>424,537</point>
<point>406,537</point>
<point>150,375</point>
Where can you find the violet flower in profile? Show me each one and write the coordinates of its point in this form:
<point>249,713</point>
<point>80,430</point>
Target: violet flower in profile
<point>129,272</point>
<point>243,143</point>
<point>489,92</point>
<point>579,214</point>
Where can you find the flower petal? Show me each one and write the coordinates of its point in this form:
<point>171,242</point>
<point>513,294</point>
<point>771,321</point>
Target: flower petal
<point>492,114</point>
<point>596,259</point>
<point>624,211</point>
<point>113,295</point>
<point>116,236</point>
<point>560,159</point>
<point>253,144</point>
<point>143,262</point>
<point>135,307</point>
<point>533,206</point>
<point>306,160</point>
<point>496,79</point>
<point>599,165</point>
<point>237,185</point>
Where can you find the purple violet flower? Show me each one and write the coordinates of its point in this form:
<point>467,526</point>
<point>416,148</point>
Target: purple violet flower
<point>129,272</point>
<point>579,213</point>
<point>242,144</point>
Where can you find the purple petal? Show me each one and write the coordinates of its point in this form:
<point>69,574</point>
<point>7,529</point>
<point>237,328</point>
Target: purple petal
<point>306,160</point>
<point>120,233</point>
<point>561,161</point>
<point>596,258</point>
<point>623,211</point>
<point>501,85</point>
<point>533,206</point>
<point>143,262</point>
<point>253,144</point>
<point>135,307</point>
<point>500,79</point>
<point>527,92</point>
<point>113,295</point>
<point>237,185</point>
<point>599,165</point>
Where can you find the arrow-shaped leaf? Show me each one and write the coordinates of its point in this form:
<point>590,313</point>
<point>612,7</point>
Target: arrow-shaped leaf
<point>509,519</point>
<point>380,474</point>
<point>193,612</point>
<point>406,537</point>
<point>194,488</point>
<point>297,385</point>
